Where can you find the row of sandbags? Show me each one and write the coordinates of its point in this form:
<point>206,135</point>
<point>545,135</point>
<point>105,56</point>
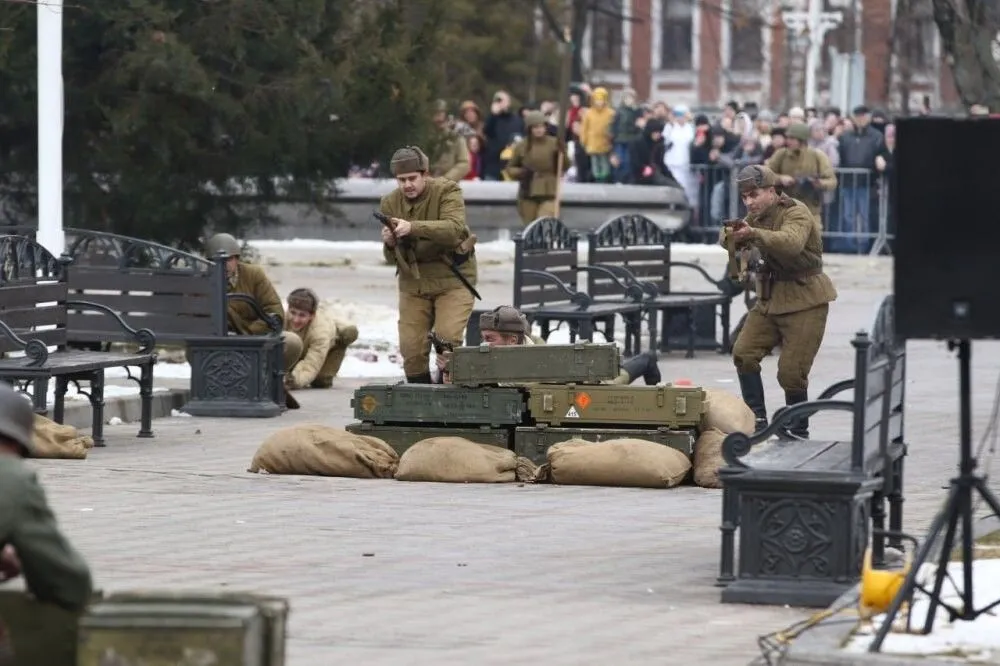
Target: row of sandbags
<point>725,413</point>
<point>321,450</point>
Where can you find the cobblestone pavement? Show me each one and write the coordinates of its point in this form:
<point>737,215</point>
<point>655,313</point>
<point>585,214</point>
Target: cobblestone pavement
<point>383,572</point>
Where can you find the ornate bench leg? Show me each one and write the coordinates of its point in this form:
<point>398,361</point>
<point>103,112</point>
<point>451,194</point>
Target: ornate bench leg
<point>692,331</point>
<point>652,319</point>
<point>146,400</point>
<point>585,330</point>
<point>878,524</point>
<point>39,395</point>
<point>97,407</point>
<point>59,406</point>
<point>724,316</point>
<point>896,503</point>
<point>727,558</point>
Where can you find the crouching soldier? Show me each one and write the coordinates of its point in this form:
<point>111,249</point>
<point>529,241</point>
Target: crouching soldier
<point>506,325</point>
<point>33,545</point>
<point>324,341</point>
<point>244,278</point>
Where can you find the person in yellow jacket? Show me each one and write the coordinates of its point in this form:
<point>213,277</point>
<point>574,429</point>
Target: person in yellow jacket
<point>430,245</point>
<point>324,341</point>
<point>595,134</point>
<point>534,164</point>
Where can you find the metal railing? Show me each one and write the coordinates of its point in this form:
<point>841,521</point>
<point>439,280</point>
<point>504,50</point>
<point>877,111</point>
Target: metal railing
<point>856,216</point>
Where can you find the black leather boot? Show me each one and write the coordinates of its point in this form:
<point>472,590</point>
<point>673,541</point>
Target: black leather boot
<point>643,365</point>
<point>423,378</point>
<point>752,388</point>
<point>798,427</point>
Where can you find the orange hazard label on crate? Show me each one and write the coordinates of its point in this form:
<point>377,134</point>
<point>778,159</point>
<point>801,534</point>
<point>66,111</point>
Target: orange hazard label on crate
<point>368,404</point>
<point>582,401</point>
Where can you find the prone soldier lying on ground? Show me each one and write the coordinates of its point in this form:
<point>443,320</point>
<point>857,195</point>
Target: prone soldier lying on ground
<point>506,325</point>
<point>324,341</point>
<point>32,544</point>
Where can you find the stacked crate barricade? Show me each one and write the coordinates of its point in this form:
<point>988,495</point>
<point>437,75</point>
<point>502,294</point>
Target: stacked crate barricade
<point>552,408</point>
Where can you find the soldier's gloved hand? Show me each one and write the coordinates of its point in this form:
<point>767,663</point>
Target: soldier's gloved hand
<point>10,564</point>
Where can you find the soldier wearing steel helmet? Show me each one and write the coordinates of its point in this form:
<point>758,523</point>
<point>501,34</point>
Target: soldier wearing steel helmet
<point>433,251</point>
<point>794,293</point>
<point>449,154</point>
<point>506,325</point>
<point>245,278</point>
<point>32,544</point>
<point>804,173</point>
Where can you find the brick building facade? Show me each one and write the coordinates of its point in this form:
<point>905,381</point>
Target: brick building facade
<point>706,52</point>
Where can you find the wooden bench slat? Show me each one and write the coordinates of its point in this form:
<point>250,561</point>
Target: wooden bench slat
<point>29,317</point>
<point>138,280</point>
<point>153,303</point>
<point>628,255</point>
<point>161,324</point>
<point>545,261</point>
<point>15,295</point>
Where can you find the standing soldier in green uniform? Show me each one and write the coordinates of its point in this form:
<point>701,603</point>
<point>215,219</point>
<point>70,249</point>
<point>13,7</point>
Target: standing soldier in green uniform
<point>449,152</point>
<point>244,278</point>
<point>32,544</point>
<point>534,165</point>
<point>793,292</point>
<point>433,251</point>
<point>804,173</point>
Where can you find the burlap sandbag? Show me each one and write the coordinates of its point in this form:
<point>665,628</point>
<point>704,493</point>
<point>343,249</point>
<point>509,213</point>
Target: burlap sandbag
<point>626,462</point>
<point>457,460</point>
<point>320,450</point>
<point>54,440</point>
<point>727,413</point>
<point>708,458</point>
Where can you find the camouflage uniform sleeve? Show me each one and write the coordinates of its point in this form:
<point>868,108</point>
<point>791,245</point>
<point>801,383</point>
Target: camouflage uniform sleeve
<point>269,301</point>
<point>788,241</point>
<point>53,571</point>
<point>322,333</point>
<point>827,176</point>
<point>450,230</point>
<point>461,154</point>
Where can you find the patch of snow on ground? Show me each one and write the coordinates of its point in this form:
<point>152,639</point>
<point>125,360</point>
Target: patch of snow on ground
<point>110,391</point>
<point>977,641</point>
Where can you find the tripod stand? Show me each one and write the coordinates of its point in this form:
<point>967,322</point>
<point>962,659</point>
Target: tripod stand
<point>957,507</point>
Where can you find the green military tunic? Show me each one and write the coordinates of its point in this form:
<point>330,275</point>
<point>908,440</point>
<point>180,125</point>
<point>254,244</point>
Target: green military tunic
<point>805,163</point>
<point>251,280</point>
<point>449,156</point>
<point>438,225</point>
<point>534,164</point>
<point>53,571</point>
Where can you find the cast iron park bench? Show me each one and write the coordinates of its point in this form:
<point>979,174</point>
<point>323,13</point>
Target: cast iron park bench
<point>182,298</point>
<point>34,302</point>
<point>804,508</point>
<point>637,251</point>
<point>546,272</point>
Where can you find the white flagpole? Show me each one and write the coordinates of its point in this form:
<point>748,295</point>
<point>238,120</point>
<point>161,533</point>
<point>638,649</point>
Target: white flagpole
<point>50,126</point>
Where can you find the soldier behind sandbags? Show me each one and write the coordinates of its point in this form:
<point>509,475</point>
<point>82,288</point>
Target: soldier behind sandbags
<point>534,164</point>
<point>324,341</point>
<point>33,545</point>
<point>803,172</point>
<point>506,325</point>
<point>244,278</point>
<point>794,293</point>
<point>449,153</point>
<point>428,215</point>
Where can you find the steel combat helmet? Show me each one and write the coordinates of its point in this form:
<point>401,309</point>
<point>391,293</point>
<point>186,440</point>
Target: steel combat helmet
<point>223,243</point>
<point>17,419</point>
<point>504,319</point>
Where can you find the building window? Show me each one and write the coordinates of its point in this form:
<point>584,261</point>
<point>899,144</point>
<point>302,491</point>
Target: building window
<point>606,36</point>
<point>746,37</point>
<point>676,35</point>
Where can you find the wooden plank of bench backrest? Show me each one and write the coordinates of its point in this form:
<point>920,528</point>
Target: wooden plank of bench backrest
<point>647,262</point>
<point>175,305</point>
<point>27,307</point>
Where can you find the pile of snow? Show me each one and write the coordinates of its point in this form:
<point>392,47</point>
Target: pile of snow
<point>73,395</point>
<point>978,641</point>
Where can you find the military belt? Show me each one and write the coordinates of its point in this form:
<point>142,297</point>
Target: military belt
<point>794,276</point>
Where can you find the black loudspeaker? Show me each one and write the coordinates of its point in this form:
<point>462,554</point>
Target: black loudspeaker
<point>946,191</point>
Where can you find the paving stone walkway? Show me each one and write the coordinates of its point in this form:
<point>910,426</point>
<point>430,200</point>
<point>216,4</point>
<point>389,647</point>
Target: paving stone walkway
<point>385,572</point>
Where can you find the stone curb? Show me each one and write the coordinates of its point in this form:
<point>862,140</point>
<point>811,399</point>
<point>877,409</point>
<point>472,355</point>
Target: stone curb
<point>126,408</point>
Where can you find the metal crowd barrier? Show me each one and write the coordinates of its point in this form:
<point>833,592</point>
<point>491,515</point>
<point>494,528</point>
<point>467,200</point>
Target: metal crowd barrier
<point>856,216</point>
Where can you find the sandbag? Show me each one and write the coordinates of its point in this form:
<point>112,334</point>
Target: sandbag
<point>319,450</point>
<point>726,412</point>
<point>625,462</point>
<point>55,440</point>
<point>457,460</point>
<point>708,458</point>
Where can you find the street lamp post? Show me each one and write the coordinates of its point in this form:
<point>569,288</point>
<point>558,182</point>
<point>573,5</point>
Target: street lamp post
<point>50,126</point>
<point>814,23</point>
